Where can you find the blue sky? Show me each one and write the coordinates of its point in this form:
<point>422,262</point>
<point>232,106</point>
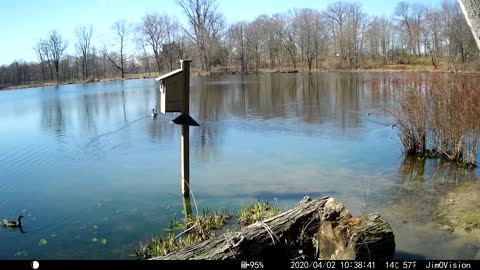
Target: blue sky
<point>24,21</point>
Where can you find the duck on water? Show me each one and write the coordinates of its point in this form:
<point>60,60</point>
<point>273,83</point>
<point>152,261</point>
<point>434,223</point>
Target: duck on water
<point>154,113</point>
<point>13,223</point>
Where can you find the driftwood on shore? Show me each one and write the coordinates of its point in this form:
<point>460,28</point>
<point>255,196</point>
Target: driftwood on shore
<point>315,229</point>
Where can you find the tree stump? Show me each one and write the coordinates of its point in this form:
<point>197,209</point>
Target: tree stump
<point>360,238</point>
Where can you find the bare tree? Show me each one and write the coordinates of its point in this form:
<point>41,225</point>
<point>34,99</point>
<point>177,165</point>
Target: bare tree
<point>56,46</point>
<point>254,42</point>
<point>141,44</point>
<point>172,47</point>
<point>154,28</point>
<point>432,39</point>
<point>457,33</point>
<point>380,38</point>
<point>361,22</point>
<point>40,52</point>
<point>45,47</point>
<point>237,36</point>
<point>286,33</point>
<point>272,39</point>
<point>418,18</point>
<point>206,24</point>
<point>121,31</point>
<point>348,24</point>
<point>336,14</point>
<point>309,26</point>
<point>84,35</point>
<point>403,16</point>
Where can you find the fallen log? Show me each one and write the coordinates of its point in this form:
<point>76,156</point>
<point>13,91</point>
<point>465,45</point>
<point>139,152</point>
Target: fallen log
<point>301,232</point>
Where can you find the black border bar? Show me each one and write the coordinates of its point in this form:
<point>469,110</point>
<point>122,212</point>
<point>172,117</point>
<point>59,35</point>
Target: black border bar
<point>238,264</point>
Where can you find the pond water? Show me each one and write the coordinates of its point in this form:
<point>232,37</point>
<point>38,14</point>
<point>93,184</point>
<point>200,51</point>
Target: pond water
<point>94,174</point>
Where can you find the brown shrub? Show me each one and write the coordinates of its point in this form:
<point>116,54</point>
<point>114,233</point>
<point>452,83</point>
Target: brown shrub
<point>441,112</point>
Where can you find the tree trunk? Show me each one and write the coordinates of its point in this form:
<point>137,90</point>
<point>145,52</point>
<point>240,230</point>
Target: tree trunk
<point>146,59</point>
<point>296,232</point>
<point>471,10</point>
<point>57,69</point>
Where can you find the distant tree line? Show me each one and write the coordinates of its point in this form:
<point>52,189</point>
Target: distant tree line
<point>343,36</point>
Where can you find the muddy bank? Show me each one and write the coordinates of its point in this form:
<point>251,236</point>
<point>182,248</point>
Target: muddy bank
<point>458,212</point>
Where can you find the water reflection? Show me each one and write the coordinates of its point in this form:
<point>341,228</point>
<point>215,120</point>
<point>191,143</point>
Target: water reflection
<point>53,117</point>
<point>312,99</point>
<point>426,175</point>
<point>422,182</point>
<point>413,208</point>
<point>284,101</point>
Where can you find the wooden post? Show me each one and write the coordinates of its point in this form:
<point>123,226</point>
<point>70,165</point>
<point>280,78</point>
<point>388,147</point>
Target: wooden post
<point>187,206</point>
<point>185,65</point>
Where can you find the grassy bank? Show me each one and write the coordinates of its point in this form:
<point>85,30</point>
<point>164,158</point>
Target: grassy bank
<point>198,228</point>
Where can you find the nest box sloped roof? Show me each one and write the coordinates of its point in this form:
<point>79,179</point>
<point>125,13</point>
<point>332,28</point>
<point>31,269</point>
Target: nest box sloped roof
<point>170,74</point>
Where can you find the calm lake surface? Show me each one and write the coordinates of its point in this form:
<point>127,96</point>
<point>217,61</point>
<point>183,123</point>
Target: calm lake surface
<point>87,162</point>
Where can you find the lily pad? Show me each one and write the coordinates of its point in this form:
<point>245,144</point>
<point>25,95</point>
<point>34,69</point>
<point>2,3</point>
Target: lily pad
<point>95,226</point>
<point>22,253</point>
<point>42,242</point>
<point>104,241</point>
<point>94,239</point>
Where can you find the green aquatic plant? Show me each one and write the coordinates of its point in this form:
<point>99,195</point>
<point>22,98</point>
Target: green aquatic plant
<point>190,231</point>
<point>195,229</point>
<point>104,241</point>
<point>42,242</point>
<point>94,239</point>
<point>22,253</point>
<point>256,212</point>
<point>175,225</point>
<point>472,219</point>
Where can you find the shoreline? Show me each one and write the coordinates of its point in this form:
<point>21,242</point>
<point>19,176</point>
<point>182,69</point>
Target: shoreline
<point>458,214</point>
<point>52,84</point>
<point>140,76</point>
